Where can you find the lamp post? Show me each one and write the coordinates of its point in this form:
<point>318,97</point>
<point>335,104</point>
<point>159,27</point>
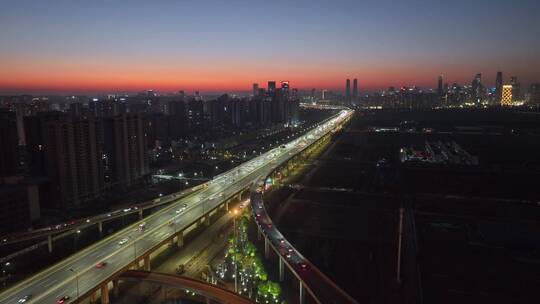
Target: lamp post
<point>5,273</point>
<point>76,278</point>
<point>235,212</point>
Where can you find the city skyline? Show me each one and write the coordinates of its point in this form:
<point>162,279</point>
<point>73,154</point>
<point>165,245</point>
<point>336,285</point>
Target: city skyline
<point>216,47</point>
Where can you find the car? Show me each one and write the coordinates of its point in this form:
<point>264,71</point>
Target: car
<point>101,264</point>
<point>142,226</point>
<point>182,208</point>
<point>123,241</point>
<point>24,299</point>
<point>302,265</point>
<point>63,300</point>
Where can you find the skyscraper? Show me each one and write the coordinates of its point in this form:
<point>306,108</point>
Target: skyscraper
<point>516,88</point>
<point>355,90</point>
<point>534,94</point>
<point>348,90</point>
<point>476,87</point>
<point>8,144</point>
<point>498,86</point>
<point>285,86</point>
<point>255,89</point>
<point>440,85</point>
<point>271,88</point>
<point>506,99</point>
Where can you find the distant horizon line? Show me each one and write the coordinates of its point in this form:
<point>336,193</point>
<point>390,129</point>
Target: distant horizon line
<point>7,91</point>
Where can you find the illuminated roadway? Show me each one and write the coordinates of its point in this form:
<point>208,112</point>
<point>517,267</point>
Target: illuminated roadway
<point>61,279</point>
<point>322,289</point>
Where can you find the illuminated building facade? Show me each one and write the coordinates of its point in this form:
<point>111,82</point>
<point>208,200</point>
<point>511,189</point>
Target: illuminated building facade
<point>506,99</point>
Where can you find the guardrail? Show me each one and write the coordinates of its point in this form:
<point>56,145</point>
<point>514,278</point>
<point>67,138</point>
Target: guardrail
<point>93,220</point>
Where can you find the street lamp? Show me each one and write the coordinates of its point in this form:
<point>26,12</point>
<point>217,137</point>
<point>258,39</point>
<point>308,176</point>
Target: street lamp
<point>5,273</point>
<point>235,212</point>
<point>77,279</point>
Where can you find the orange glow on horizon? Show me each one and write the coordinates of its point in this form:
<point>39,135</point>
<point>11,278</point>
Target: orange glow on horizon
<point>101,75</point>
<point>97,75</point>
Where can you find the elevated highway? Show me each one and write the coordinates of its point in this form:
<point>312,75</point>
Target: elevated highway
<point>77,276</point>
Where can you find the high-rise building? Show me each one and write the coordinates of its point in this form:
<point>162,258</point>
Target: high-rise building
<point>440,85</point>
<point>506,99</point>
<point>534,94</point>
<point>355,90</point>
<point>195,114</point>
<point>8,144</point>
<point>65,150</point>
<point>285,85</point>
<point>255,89</point>
<point>157,128</point>
<point>19,205</point>
<point>124,150</point>
<point>237,108</point>
<point>21,110</point>
<point>271,88</point>
<point>177,119</point>
<point>516,88</point>
<point>477,87</point>
<point>498,86</point>
<point>19,199</point>
<point>294,102</point>
<point>348,90</point>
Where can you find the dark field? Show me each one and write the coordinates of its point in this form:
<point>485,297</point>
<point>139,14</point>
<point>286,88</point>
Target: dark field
<point>471,234</point>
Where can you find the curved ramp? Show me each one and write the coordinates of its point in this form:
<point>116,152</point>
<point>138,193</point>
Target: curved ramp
<point>210,291</point>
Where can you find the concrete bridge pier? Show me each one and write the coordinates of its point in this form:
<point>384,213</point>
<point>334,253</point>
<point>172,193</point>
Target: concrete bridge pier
<point>140,214</point>
<point>301,294</point>
<point>105,293</point>
<point>266,248</point>
<point>49,243</point>
<point>281,269</point>
<point>92,298</point>
<point>116,290</point>
<point>147,262</point>
<point>100,228</point>
<point>180,239</point>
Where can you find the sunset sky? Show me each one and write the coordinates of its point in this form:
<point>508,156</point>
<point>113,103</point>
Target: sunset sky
<point>216,46</point>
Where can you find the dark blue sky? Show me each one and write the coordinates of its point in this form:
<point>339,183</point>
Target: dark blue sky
<point>226,45</point>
